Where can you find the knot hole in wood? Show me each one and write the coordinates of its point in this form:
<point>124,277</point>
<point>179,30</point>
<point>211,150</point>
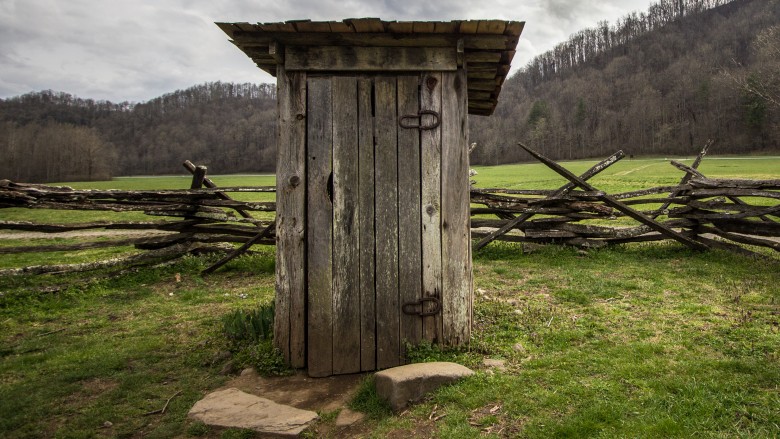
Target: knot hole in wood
<point>431,83</point>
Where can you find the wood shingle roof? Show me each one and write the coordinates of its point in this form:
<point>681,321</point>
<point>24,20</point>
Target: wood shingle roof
<point>486,46</point>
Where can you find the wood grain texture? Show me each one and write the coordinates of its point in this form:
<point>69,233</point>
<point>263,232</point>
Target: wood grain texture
<point>340,26</point>
<point>409,217</point>
<point>456,240</point>
<point>400,27</point>
<point>477,42</point>
<point>469,26</point>
<point>430,206</point>
<point>346,296</point>
<point>514,28</point>
<point>483,57</point>
<point>424,27</point>
<point>386,205</point>
<point>366,24</point>
<point>319,227</point>
<point>491,27</point>
<point>290,321</point>
<point>369,59</point>
<point>366,224</point>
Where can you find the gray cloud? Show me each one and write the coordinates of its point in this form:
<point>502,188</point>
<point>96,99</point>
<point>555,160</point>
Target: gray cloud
<point>119,50</point>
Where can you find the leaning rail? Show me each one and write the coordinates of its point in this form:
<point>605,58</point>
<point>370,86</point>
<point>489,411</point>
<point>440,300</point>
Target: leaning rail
<point>702,213</point>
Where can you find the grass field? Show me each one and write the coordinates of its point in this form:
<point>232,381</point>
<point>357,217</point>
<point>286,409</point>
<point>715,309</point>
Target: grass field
<point>627,174</point>
<point>644,340</point>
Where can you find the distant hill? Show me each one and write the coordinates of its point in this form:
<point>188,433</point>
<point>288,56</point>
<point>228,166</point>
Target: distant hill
<point>52,136</point>
<point>657,82</point>
<point>660,82</point>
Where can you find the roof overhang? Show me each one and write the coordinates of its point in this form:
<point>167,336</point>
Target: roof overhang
<point>485,48</point>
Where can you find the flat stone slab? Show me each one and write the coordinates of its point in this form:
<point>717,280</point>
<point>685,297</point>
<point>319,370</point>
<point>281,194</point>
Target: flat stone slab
<point>234,408</point>
<point>404,384</point>
<point>300,390</point>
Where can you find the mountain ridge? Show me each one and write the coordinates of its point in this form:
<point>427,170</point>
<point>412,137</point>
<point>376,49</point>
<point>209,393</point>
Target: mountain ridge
<point>661,82</point>
<point>665,92</point>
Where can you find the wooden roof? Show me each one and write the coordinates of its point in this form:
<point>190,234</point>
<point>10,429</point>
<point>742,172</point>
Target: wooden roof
<point>488,45</point>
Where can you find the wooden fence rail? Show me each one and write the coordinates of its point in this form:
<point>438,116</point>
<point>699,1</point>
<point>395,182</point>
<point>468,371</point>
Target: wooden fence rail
<point>699,212</point>
<point>693,212</point>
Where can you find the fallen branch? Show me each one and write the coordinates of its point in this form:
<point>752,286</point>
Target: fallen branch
<point>162,410</point>
<point>52,332</point>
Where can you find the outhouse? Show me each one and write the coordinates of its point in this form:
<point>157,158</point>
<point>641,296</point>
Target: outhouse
<point>372,226</point>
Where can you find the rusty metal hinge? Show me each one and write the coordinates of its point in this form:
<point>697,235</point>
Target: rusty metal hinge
<point>410,308</point>
<point>403,120</point>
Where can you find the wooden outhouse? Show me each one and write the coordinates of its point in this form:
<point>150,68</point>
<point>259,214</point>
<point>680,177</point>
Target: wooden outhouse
<point>372,226</point>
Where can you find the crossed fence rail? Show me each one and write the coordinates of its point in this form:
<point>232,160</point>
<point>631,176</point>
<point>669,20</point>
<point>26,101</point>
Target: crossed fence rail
<point>699,212</point>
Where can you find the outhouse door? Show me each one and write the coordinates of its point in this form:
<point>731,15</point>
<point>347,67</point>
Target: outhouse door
<point>387,233</point>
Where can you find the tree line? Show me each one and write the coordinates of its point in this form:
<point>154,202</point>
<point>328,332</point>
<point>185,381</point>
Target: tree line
<point>657,82</point>
<point>593,45</point>
<point>52,136</point>
<point>661,82</point>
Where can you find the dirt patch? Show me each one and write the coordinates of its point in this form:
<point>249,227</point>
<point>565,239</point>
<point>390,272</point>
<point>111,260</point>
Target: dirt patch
<point>491,420</point>
<point>426,429</point>
<point>92,389</point>
<point>300,390</point>
<point>321,395</point>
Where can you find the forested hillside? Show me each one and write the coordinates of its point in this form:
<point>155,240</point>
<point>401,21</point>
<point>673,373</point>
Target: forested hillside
<point>50,136</point>
<point>660,82</point>
<point>656,82</point>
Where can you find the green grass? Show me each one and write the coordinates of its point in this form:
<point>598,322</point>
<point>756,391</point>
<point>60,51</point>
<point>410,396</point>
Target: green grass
<point>15,260</point>
<point>625,175</point>
<point>112,350</point>
<point>638,341</point>
<point>644,340</point>
<point>635,341</point>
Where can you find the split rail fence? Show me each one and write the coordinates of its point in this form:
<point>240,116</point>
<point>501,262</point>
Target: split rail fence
<point>699,212</point>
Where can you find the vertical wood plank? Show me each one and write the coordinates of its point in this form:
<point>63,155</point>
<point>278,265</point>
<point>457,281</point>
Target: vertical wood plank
<point>346,297</point>
<point>386,205</point>
<point>366,224</point>
<point>430,99</point>
<point>319,227</point>
<point>456,241</point>
<point>290,300</point>
<point>409,232</point>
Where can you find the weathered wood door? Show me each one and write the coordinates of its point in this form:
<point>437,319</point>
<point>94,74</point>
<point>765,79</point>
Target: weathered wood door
<point>387,218</point>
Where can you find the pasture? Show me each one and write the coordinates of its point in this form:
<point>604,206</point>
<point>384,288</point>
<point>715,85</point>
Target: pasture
<point>640,340</point>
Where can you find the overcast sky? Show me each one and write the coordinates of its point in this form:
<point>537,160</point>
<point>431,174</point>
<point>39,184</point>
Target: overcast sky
<point>136,50</point>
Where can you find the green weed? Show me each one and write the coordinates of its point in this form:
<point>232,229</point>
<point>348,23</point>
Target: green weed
<point>249,326</point>
<point>366,400</point>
